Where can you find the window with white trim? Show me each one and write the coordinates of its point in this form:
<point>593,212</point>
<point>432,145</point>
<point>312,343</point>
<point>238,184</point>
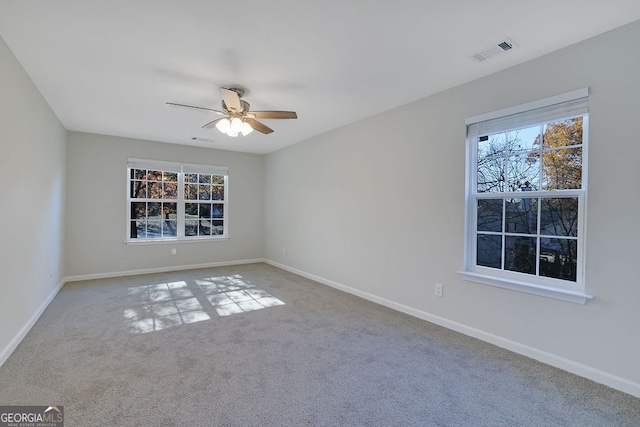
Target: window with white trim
<point>526,196</point>
<point>175,201</point>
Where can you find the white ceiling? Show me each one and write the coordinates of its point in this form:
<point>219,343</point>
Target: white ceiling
<point>109,66</point>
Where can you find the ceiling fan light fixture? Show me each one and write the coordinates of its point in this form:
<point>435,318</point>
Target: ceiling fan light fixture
<point>233,127</point>
<point>246,129</point>
<point>223,125</point>
<point>236,125</point>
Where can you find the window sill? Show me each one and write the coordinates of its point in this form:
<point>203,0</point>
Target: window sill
<point>530,288</point>
<point>140,242</point>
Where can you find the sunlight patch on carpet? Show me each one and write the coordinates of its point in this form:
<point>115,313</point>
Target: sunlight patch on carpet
<point>159,306</point>
<point>233,295</point>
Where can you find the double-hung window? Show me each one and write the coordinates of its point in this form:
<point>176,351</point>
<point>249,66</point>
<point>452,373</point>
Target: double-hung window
<point>526,197</point>
<point>175,201</point>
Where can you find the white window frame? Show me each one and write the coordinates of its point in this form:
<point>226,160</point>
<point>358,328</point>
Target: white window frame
<point>562,106</point>
<point>181,169</point>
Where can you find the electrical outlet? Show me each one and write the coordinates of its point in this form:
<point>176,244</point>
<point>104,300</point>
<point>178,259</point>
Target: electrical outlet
<point>173,251</point>
<point>439,288</point>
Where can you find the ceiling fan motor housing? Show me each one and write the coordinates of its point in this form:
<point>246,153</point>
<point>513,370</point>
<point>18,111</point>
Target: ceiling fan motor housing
<point>245,107</point>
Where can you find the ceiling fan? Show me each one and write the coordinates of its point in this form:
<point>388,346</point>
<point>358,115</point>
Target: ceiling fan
<point>238,119</point>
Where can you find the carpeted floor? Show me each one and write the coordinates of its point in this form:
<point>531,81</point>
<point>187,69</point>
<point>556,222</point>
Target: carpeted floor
<point>252,345</point>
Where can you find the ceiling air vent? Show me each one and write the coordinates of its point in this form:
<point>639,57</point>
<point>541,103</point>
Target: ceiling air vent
<point>503,46</point>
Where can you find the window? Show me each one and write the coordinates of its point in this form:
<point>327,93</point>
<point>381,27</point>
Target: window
<point>526,196</point>
<point>174,201</point>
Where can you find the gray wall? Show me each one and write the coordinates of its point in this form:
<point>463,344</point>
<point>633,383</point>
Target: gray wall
<point>32,161</point>
<point>379,209</point>
<point>96,207</point>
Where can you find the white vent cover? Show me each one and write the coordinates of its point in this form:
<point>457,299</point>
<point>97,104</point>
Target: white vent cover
<point>503,46</point>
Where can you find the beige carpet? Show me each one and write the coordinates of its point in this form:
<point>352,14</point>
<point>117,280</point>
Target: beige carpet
<point>253,345</point>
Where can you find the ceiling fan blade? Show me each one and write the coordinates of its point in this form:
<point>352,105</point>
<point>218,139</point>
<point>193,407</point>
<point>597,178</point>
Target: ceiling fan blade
<point>212,123</point>
<point>274,114</point>
<point>231,100</point>
<point>173,104</point>
<point>256,125</point>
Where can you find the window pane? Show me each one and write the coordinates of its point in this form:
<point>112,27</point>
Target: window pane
<point>170,210</point>
<point>491,145</point>
<point>191,191</point>
<point>136,227</point>
<point>520,254</point>
<point>527,139</point>
<point>170,176</point>
<point>562,169</point>
<point>217,192</point>
<point>191,227</point>
<point>154,229</point>
<point>489,251</point>
<point>522,215</point>
<point>217,228</point>
<point>558,258</point>
<point>204,228</point>
<point>217,211</point>
<point>491,175</point>
<point>154,189</point>
<point>141,228</point>
<point>154,175</point>
<point>138,173</point>
<point>504,144</point>
<point>170,228</point>
<point>217,179</point>
<point>559,217</point>
<point>138,189</point>
<point>523,172</point>
<point>563,133</point>
<point>205,192</point>
<point>490,215</point>
<point>154,211</point>
<point>138,210</point>
<point>170,190</point>
<point>191,177</point>
<point>205,210</point>
<point>191,210</point>
<point>204,179</point>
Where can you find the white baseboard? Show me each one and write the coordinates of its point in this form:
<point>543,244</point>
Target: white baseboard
<point>571,366</point>
<point>159,270</point>
<point>6,352</point>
